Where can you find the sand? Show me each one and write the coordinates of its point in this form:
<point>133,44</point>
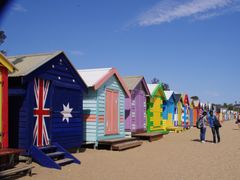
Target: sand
<point>176,156</point>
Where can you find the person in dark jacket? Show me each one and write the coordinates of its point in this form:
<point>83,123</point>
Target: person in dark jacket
<point>203,126</point>
<point>214,125</point>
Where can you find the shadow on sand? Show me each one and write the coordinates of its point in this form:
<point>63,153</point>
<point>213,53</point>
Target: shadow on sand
<point>198,140</point>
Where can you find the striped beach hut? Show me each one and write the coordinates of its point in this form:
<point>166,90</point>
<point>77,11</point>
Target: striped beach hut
<point>135,105</point>
<point>45,105</point>
<point>155,121</point>
<point>5,68</point>
<point>104,105</point>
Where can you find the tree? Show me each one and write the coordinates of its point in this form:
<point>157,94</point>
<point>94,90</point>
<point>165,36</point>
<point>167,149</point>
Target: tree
<point>155,81</point>
<point>225,105</point>
<point>2,39</point>
<point>195,97</point>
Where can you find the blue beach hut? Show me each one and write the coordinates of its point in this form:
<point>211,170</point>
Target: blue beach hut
<point>45,105</point>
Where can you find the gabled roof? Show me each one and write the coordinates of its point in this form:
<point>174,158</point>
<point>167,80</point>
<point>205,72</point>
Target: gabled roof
<point>177,97</point>
<point>97,77</point>
<point>28,63</point>
<point>185,99</point>
<point>6,63</point>
<point>153,88</point>
<point>196,102</point>
<point>168,94</point>
<point>133,81</point>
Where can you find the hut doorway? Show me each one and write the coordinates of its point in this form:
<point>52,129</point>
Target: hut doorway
<point>112,114</point>
<point>139,100</point>
<point>15,104</point>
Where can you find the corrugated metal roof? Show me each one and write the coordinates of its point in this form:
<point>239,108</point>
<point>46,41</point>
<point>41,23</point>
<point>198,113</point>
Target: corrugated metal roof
<point>28,63</point>
<point>132,81</point>
<point>168,94</point>
<point>92,76</point>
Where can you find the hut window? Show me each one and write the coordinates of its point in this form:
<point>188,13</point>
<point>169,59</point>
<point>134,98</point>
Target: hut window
<point>73,80</point>
<point>59,77</point>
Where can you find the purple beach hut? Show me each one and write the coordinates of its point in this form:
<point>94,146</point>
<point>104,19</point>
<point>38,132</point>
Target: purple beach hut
<point>135,105</point>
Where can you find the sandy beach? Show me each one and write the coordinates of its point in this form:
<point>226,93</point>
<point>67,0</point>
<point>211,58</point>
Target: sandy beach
<point>176,156</point>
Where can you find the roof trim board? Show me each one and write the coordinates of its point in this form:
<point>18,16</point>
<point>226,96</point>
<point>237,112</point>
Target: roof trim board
<point>109,73</point>
<point>155,90</point>
<point>6,63</point>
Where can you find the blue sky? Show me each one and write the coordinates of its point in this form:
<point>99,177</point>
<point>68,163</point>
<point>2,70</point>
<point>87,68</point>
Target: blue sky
<point>194,45</point>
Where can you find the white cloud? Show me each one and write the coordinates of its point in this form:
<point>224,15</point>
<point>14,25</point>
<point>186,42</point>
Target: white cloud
<point>76,52</point>
<point>170,10</point>
<point>19,8</point>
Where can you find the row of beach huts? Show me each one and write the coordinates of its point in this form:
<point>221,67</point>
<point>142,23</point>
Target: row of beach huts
<point>48,107</point>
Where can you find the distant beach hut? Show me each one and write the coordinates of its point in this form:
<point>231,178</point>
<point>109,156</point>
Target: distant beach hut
<point>45,105</point>
<point>191,115</point>
<point>196,110</point>
<point>185,111</point>
<point>136,104</point>
<point>104,105</point>
<point>178,110</point>
<point>155,121</point>
<point>169,108</point>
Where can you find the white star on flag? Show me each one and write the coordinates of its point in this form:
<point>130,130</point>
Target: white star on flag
<point>66,113</point>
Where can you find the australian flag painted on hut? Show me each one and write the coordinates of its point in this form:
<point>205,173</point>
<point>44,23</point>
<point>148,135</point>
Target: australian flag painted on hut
<point>45,104</point>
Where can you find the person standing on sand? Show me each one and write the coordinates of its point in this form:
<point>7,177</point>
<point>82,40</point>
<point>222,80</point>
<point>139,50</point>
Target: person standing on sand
<point>238,120</point>
<point>214,125</point>
<point>203,126</point>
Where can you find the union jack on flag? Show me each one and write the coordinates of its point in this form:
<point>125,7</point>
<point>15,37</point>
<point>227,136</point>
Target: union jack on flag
<point>40,134</point>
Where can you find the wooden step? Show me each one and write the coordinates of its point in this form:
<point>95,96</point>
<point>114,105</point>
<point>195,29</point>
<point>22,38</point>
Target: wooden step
<point>46,148</point>
<point>126,145</point>
<point>15,170</point>
<point>64,161</point>
<point>115,141</point>
<point>152,136</point>
<point>55,154</point>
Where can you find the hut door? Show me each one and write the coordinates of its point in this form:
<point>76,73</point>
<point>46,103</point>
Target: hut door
<point>111,112</point>
<point>67,116</point>
<point>41,113</point>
